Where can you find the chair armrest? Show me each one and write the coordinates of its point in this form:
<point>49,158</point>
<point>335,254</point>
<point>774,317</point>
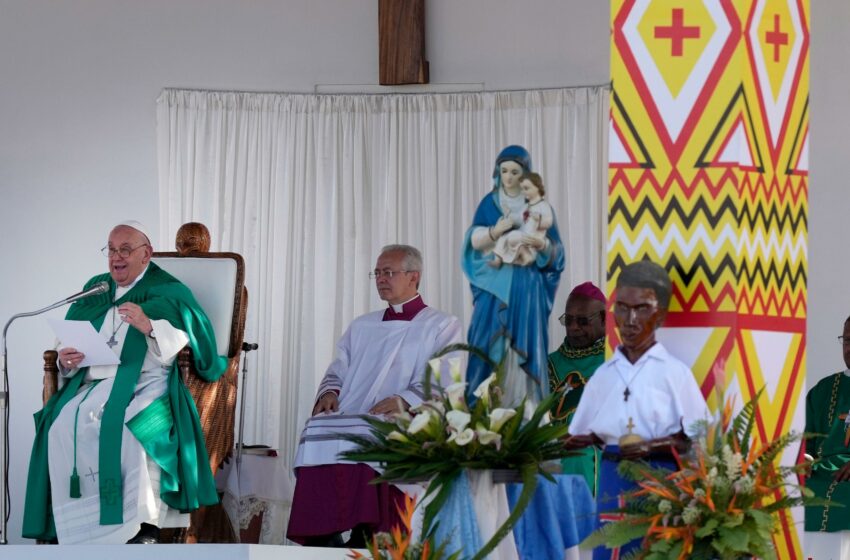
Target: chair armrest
<point>51,375</point>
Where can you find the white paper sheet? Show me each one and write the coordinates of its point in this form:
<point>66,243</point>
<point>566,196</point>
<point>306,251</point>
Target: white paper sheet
<point>82,336</point>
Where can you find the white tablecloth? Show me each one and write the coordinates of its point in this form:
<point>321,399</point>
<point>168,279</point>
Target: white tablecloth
<point>262,484</point>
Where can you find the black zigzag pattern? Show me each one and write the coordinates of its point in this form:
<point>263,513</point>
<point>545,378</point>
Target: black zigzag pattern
<point>772,219</point>
<point>687,274</point>
<point>700,207</point>
<point>786,276</point>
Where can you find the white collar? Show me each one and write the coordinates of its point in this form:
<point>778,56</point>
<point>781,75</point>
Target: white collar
<point>121,290</point>
<point>399,307</point>
<point>656,351</point>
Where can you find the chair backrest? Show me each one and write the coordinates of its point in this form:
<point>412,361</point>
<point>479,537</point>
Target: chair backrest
<point>216,280</point>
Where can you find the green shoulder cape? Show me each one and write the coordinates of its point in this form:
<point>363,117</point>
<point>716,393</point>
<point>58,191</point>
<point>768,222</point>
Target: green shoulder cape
<point>168,429</point>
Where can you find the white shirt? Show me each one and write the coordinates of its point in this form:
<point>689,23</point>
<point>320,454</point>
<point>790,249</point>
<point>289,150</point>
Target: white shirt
<point>663,398</point>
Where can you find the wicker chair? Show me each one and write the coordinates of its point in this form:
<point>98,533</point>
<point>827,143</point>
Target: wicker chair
<point>225,303</point>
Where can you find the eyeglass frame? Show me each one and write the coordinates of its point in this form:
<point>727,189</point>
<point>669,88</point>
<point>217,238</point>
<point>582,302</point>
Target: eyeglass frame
<point>109,252</point>
<point>375,274</point>
<point>843,339</point>
<point>580,320</point>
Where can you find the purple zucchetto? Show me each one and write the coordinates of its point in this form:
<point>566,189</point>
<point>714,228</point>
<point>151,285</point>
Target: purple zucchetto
<point>588,290</point>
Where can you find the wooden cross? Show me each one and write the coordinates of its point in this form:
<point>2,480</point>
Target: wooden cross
<point>846,430</point>
<point>626,394</point>
<point>401,42</point>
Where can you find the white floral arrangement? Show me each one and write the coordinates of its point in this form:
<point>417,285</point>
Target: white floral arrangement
<point>438,439</point>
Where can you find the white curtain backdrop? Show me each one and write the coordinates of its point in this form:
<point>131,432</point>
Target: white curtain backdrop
<point>309,187</point>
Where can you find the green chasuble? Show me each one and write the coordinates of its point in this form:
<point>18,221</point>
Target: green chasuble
<point>569,370</point>
<point>168,429</point>
<point>826,406</point>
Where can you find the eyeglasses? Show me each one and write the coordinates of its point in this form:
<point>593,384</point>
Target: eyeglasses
<point>843,340</point>
<point>580,320</point>
<point>124,251</point>
<point>387,273</point>
<point>641,311</point>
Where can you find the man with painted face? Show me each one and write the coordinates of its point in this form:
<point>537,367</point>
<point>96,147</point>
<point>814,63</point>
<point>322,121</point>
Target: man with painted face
<point>642,401</point>
<point>573,364</point>
<point>378,370</point>
<point>119,451</point>
<point>827,408</point>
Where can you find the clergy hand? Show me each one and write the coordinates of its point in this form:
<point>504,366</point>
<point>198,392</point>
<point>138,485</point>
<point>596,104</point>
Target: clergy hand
<point>69,358</point>
<point>133,315</point>
<point>328,402</point>
<point>843,473</point>
<point>390,405</point>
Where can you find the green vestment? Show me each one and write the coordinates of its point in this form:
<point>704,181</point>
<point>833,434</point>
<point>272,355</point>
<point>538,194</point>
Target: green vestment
<point>569,370</point>
<point>168,429</point>
<point>825,404</point>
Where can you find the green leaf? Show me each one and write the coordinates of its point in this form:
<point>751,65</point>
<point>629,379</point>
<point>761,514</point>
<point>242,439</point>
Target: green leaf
<point>734,539</point>
<point>707,529</point>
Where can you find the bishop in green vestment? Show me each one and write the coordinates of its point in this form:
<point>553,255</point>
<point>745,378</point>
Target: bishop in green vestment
<point>119,450</point>
<point>573,363</point>
<point>827,409</point>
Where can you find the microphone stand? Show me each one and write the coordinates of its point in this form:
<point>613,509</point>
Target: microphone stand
<point>246,347</point>
<point>5,498</point>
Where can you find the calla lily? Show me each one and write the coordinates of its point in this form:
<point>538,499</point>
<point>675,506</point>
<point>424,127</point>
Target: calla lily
<point>499,416</point>
<point>454,369</point>
<point>462,438</point>
<point>402,417</point>
<point>458,420</point>
<point>486,437</point>
<point>419,422</point>
<point>455,392</point>
<point>435,367</point>
<point>483,390</point>
<point>437,406</point>
<point>397,436</point>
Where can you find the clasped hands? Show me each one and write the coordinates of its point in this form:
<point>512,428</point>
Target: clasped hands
<point>130,313</point>
<point>329,402</point>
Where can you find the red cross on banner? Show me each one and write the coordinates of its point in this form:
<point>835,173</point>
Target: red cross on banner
<point>776,38</point>
<point>677,32</point>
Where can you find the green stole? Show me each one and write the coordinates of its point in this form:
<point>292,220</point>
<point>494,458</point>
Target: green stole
<point>572,367</point>
<point>168,429</point>
<point>825,403</point>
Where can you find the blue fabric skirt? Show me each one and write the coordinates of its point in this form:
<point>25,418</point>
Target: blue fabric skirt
<point>610,497</point>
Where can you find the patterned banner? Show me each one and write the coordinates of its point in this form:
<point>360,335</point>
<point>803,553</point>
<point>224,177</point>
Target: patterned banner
<point>708,175</point>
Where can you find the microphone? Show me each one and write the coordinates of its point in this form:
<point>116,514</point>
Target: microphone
<point>99,288</point>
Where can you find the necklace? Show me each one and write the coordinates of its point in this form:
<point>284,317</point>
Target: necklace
<point>112,342</point>
<point>627,392</point>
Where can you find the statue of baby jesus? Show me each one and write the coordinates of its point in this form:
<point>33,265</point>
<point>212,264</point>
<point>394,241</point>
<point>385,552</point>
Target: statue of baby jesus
<point>520,246</point>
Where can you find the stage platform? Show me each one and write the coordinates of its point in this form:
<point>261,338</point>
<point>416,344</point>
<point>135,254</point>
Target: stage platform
<point>170,552</point>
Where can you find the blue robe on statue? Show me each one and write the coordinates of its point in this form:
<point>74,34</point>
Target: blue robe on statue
<point>511,304</point>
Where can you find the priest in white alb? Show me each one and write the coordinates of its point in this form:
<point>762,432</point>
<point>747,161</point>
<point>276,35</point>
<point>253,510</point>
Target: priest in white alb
<point>379,367</point>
